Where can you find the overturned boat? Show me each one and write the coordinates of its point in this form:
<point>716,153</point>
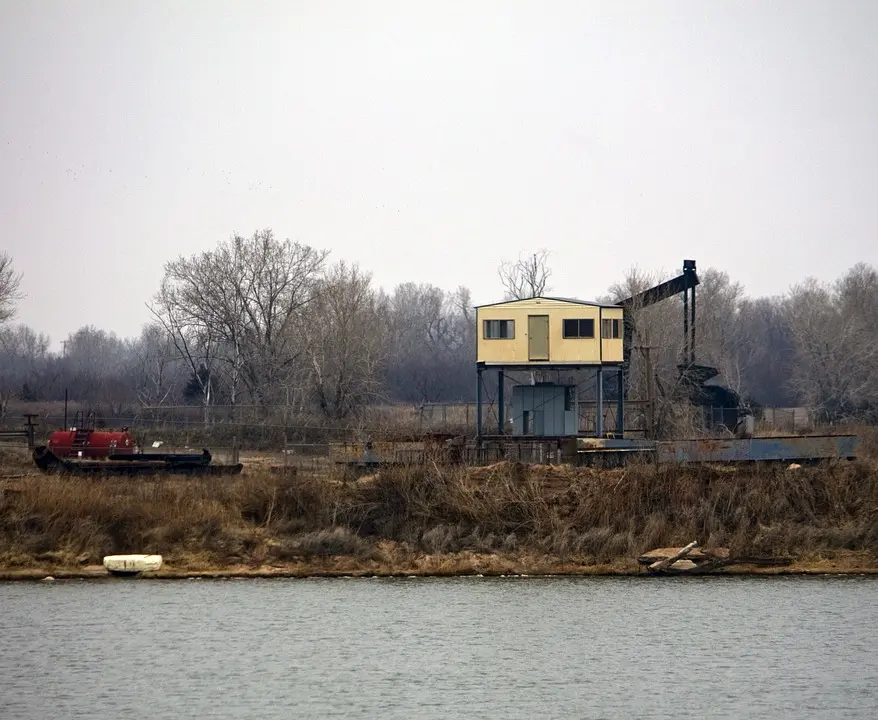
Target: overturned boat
<point>132,565</point>
<point>133,464</point>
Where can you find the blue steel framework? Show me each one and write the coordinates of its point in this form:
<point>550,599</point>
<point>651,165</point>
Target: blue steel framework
<point>599,394</point>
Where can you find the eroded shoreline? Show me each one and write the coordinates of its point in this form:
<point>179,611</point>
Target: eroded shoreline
<point>508,519</point>
<point>438,567</point>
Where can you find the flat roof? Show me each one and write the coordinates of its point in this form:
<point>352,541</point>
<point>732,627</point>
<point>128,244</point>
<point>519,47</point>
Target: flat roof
<point>574,301</point>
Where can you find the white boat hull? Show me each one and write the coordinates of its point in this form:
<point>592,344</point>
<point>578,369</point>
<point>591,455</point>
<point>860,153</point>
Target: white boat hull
<point>132,564</point>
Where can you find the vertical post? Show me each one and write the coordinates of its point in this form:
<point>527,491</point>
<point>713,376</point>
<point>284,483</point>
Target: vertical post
<point>501,415</point>
<point>650,395</point>
<point>620,405</point>
<point>627,348</point>
<point>692,328</point>
<point>31,431</point>
<point>599,393</point>
<point>235,453</point>
<point>686,326</point>
<point>479,410</point>
<point>66,426</point>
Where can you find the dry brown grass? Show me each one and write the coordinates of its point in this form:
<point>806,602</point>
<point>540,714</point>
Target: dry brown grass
<point>14,460</point>
<point>506,517</point>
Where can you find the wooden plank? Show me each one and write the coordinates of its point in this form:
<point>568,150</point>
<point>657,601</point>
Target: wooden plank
<point>700,568</point>
<point>697,554</point>
<point>663,564</point>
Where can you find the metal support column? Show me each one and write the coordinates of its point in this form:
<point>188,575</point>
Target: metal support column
<point>599,403</point>
<point>686,326</point>
<point>692,328</point>
<point>620,405</point>
<point>501,416</point>
<point>479,409</point>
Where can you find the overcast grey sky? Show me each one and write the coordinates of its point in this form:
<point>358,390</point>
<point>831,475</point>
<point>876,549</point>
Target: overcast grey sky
<point>429,141</point>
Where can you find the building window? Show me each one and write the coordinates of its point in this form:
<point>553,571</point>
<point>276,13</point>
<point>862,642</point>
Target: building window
<point>611,329</point>
<point>499,329</point>
<point>579,328</point>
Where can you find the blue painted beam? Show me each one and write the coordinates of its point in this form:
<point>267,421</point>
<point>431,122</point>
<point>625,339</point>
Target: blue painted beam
<point>822,447</point>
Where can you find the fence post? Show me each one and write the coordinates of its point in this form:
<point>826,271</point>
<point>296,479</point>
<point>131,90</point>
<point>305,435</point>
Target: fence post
<point>31,430</point>
<point>235,452</point>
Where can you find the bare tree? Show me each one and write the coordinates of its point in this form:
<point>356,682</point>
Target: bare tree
<point>23,357</point>
<point>718,326</point>
<point>836,345</point>
<point>432,344</point>
<point>279,280</point>
<point>244,299</point>
<point>154,357</point>
<point>10,282</point>
<point>857,296</point>
<point>193,336</point>
<point>345,342</point>
<point>95,367</point>
<point>764,351</point>
<point>527,277</point>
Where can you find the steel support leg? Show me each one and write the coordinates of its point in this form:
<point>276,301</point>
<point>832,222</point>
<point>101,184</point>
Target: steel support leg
<point>479,410</point>
<point>501,416</point>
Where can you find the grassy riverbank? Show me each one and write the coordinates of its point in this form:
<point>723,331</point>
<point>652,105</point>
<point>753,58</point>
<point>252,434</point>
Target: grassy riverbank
<point>503,519</point>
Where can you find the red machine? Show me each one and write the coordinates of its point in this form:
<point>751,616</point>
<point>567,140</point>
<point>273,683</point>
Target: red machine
<point>96,452</point>
<point>90,443</point>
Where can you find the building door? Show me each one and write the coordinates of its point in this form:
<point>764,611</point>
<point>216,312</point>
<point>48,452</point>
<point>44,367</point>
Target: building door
<point>538,337</point>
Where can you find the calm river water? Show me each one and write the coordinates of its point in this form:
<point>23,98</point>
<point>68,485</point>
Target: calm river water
<point>449,648</point>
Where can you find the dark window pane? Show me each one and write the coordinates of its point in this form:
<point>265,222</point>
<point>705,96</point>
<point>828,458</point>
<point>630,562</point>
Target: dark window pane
<point>571,328</point>
<point>586,328</point>
<point>498,329</point>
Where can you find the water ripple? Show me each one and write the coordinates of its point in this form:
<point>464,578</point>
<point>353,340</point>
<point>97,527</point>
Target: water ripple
<point>468,648</point>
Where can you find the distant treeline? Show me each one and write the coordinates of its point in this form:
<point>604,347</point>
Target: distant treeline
<point>261,321</point>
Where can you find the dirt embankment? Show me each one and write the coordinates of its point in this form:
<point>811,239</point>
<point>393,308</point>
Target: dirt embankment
<point>503,519</point>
